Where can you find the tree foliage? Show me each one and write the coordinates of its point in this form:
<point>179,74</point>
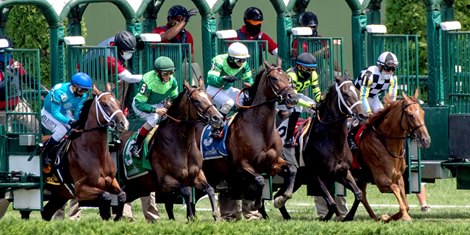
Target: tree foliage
<point>409,17</point>
<point>27,28</point>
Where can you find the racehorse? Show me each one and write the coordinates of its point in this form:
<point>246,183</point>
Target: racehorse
<point>326,153</point>
<point>87,159</point>
<point>381,152</point>
<point>174,155</point>
<point>253,144</point>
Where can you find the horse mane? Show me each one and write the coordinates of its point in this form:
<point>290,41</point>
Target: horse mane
<point>84,113</point>
<point>379,116</point>
<point>174,109</point>
<point>252,90</point>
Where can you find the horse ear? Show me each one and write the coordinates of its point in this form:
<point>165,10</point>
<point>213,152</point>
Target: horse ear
<point>416,95</point>
<point>186,85</point>
<point>387,99</point>
<point>267,65</point>
<point>108,87</point>
<point>403,94</point>
<point>279,61</point>
<point>201,84</point>
<point>96,91</point>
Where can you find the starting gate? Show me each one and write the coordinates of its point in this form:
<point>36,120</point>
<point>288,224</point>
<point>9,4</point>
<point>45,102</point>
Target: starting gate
<point>20,133</point>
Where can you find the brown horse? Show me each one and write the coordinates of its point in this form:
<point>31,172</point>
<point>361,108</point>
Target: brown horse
<point>88,160</point>
<point>381,152</point>
<point>174,154</point>
<point>253,143</point>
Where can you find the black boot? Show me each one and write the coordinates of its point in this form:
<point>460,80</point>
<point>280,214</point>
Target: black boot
<point>135,148</point>
<point>216,133</point>
<point>351,142</point>
<point>289,142</point>
<point>46,154</point>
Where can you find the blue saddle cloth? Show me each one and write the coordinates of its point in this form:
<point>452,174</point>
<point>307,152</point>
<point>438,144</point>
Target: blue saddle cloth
<point>213,148</point>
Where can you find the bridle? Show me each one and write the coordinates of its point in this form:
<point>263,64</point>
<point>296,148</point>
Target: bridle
<point>410,131</point>
<point>277,92</point>
<point>109,118</point>
<point>200,113</point>
<point>341,103</point>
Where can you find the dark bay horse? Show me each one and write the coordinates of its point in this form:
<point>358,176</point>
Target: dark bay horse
<point>326,152</point>
<point>253,143</point>
<point>88,160</point>
<point>381,152</point>
<point>174,154</point>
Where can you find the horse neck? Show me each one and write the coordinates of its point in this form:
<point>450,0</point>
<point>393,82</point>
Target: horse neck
<point>330,111</point>
<point>184,130</point>
<point>391,124</point>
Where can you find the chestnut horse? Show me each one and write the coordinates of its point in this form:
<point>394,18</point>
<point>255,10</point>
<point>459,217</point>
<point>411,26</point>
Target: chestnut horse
<point>88,160</point>
<point>173,151</point>
<point>381,152</point>
<point>253,143</point>
<point>326,153</point>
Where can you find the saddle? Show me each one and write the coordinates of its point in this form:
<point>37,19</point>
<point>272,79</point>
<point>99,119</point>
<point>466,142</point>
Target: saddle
<point>356,133</point>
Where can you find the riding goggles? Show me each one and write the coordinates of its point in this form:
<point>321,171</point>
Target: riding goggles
<point>305,69</point>
<point>168,73</point>
<point>388,69</point>
<point>239,60</point>
<point>81,90</point>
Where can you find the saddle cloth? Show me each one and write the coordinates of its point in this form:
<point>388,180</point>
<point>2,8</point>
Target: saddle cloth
<point>135,167</point>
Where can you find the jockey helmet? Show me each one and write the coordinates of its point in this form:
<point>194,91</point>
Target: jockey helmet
<point>388,59</point>
<point>238,50</point>
<point>308,19</point>
<point>82,80</point>
<point>307,60</point>
<point>163,63</point>
<point>177,10</point>
<point>125,41</point>
<point>253,14</point>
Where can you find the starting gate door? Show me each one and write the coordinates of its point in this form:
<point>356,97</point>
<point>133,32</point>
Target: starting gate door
<point>20,130</point>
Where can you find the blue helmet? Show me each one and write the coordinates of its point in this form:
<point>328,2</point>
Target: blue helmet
<point>82,80</point>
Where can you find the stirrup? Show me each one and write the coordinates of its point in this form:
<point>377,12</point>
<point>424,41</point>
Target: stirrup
<point>52,180</point>
<point>289,143</point>
<point>216,134</point>
<point>47,165</point>
<point>135,151</point>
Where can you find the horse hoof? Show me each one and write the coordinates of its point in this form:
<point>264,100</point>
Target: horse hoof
<point>385,218</point>
<point>279,202</point>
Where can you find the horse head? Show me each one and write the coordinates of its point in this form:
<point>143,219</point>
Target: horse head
<point>200,105</point>
<point>108,111</point>
<point>415,124</point>
<point>279,83</point>
<point>348,99</point>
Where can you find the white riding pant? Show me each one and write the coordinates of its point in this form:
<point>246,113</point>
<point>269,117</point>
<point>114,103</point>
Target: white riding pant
<point>221,97</point>
<point>375,104</point>
<point>151,118</point>
<point>297,108</point>
<point>57,128</point>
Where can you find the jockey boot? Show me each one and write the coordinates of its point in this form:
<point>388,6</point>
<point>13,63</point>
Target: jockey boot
<point>290,142</point>
<point>351,142</point>
<point>135,148</point>
<point>216,133</point>
<point>47,154</point>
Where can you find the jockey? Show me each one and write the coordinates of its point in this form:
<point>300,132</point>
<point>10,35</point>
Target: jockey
<point>174,31</point>
<point>156,86</point>
<point>376,79</point>
<point>61,110</point>
<point>226,69</point>
<point>303,75</point>
<point>253,19</point>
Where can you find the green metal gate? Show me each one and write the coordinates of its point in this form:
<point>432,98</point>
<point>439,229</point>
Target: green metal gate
<point>20,135</point>
<point>180,53</point>
<point>93,60</point>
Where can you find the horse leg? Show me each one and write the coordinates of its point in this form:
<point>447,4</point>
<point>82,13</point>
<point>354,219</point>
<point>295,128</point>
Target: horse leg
<point>362,184</point>
<point>288,186</point>
<point>330,201</point>
<point>285,214</point>
<point>25,214</point>
<point>262,211</point>
<point>349,182</point>
<point>399,191</point>
<point>187,201</point>
<point>54,204</point>
<point>105,205</point>
<point>202,184</point>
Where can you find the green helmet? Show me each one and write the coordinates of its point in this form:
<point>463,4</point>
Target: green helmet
<point>163,63</point>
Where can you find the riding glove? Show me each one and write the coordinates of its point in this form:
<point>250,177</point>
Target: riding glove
<point>73,123</point>
<point>190,13</point>
<point>229,79</point>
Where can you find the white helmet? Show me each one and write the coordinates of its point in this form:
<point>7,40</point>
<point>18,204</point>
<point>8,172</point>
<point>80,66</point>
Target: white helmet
<point>388,58</point>
<point>238,50</point>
